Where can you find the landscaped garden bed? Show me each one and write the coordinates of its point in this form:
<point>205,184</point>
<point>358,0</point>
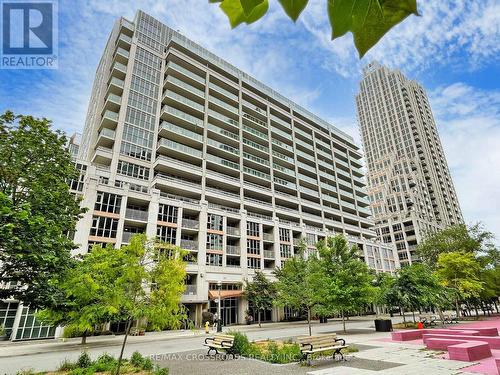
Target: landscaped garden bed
<point>105,364</point>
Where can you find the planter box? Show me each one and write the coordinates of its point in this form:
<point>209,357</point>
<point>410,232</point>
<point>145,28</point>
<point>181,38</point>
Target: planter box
<point>383,325</point>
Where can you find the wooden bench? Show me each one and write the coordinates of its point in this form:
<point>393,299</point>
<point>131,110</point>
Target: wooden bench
<point>321,343</point>
<point>220,342</point>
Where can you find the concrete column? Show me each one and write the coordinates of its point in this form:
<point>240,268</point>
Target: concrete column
<point>153,214</point>
<point>83,225</point>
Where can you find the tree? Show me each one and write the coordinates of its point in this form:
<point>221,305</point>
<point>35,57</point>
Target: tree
<point>457,238</point>
<point>260,292</point>
<point>295,285</point>
<point>141,281</point>
<point>385,295</point>
<point>368,21</point>
<point>37,210</point>
<point>344,281</point>
<point>459,271</point>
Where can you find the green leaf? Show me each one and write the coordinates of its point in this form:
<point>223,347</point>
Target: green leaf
<point>368,20</point>
<point>249,5</point>
<point>236,14</point>
<point>293,7</point>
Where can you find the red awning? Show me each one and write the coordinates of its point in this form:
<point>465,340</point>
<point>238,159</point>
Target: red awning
<point>214,294</point>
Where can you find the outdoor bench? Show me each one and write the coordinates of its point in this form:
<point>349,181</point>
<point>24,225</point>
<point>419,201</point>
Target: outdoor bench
<point>321,343</point>
<point>461,350</point>
<point>220,342</point>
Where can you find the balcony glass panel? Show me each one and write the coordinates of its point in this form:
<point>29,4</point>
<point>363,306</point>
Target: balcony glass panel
<point>182,99</point>
<point>180,147</point>
<point>186,72</point>
<point>180,130</point>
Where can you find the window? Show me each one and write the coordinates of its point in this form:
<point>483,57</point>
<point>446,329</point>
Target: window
<point>233,261</point>
<point>253,263</point>
<point>104,227</point>
<point>214,260</point>
<point>253,229</point>
<point>166,234</point>
<point>132,170</point>
<point>214,241</point>
<point>285,251</point>
<point>253,247</point>
<point>284,234</point>
<point>215,222</point>
<point>311,239</point>
<point>78,184</point>
<point>167,213</point>
<point>107,202</point>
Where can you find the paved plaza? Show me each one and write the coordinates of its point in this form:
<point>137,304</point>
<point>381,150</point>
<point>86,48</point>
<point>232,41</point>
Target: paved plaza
<point>182,352</point>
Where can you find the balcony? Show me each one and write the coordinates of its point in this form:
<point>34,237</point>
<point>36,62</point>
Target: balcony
<point>112,102</point>
<point>224,193</point>
<point>269,237</point>
<point>190,224</point>
<point>269,254</point>
<point>169,112</point>
<point>311,192</point>
<point>166,146</point>
<point>185,72</point>
<point>175,131</point>
<point>186,87</point>
<point>119,70</point>
<point>284,157</point>
<point>232,231</point>
<point>222,147</point>
<point>284,170</point>
<point>224,92</point>
<point>102,155</point>
<point>191,105</point>
<point>223,132</point>
<point>136,215</point>
<point>233,250</point>
<point>226,120</point>
<point>284,146</point>
<point>254,108</point>
<point>223,162</point>
<point>121,55</point>
<point>124,41</point>
<point>285,135</point>
<point>255,132</point>
<point>285,183</point>
<point>189,245</point>
<point>115,86</point>
<point>223,105</point>
<point>281,122</point>
<point>303,134</point>
<point>307,179</point>
<point>190,290</point>
<point>106,138</point>
<point>256,173</point>
<point>256,146</point>
<point>256,159</point>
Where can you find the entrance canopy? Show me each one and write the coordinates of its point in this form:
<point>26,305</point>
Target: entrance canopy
<point>214,294</point>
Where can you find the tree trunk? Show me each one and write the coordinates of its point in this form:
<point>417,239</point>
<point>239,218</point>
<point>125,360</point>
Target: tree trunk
<point>343,320</point>
<point>496,306</point>
<point>309,320</point>
<point>127,330</point>
<point>401,310</point>
<point>413,313</point>
<point>441,316</point>
<point>84,337</point>
<point>457,307</point>
<point>477,312</point>
<point>259,317</point>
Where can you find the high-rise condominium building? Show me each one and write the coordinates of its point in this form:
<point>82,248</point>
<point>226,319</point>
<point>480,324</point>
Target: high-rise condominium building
<point>409,183</point>
<point>180,145</point>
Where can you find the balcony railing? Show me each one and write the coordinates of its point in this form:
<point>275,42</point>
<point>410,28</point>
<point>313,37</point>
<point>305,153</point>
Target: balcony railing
<point>235,231</point>
<point>181,99</point>
<point>189,244</point>
<point>186,72</point>
<point>191,224</point>
<point>180,114</point>
<point>134,214</point>
<point>190,290</point>
<point>223,132</point>
<point>223,91</point>
<point>186,86</point>
<point>232,250</point>
<point>180,130</point>
<point>180,147</point>
<point>269,254</point>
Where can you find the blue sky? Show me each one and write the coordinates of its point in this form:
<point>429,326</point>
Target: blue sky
<point>453,49</point>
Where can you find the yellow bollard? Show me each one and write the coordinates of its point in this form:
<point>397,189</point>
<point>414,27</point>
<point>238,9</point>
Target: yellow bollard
<point>207,327</point>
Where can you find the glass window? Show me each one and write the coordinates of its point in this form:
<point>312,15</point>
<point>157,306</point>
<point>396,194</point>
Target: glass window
<point>166,234</point>
<point>107,202</point>
<point>253,229</point>
<point>215,222</point>
<point>168,213</point>
<point>104,227</point>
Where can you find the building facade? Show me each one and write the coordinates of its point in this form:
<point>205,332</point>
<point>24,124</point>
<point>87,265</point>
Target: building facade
<point>409,184</point>
<point>180,145</point>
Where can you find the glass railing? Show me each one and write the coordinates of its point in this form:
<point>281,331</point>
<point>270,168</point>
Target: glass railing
<point>256,159</point>
<point>308,179</point>
<point>255,120</point>
<point>286,183</point>
<point>175,112</point>
<point>180,147</point>
<point>303,133</point>
<point>309,191</point>
<point>185,86</point>
<point>180,130</point>
<point>341,162</point>
<point>186,72</point>
<point>280,168</point>
<point>133,214</point>
<point>171,161</point>
<point>305,155</point>
<point>304,144</point>
<point>120,66</point>
<point>328,186</point>
<point>184,100</point>
<point>223,91</point>
<point>343,173</point>
<point>306,167</point>
<point>330,198</point>
<point>117,82</point>
<point>222,146</point>
<point>255,145</point>
<point>346,193</point>
<point>114,98</point>
<point>226,119</point>
<point>224,132</point>
<point>223,162</point>
<point>256,173</point>
<point>283,157</point>
<point>110,115</point>
<point>281,122</point>
<point>327,155</point>
<point>255,132</point>
<point>282,145</point>
<point>282,133</point>
<point>347,204</point>
<point>122,52</point>
<point>223,104</point>
<point>108,133</point>
<point>125,38</point>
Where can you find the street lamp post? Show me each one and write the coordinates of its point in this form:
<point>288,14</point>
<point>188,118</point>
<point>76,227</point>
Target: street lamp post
<point>219,318</point>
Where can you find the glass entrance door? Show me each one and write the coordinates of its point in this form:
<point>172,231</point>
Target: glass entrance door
<point>229,310</point>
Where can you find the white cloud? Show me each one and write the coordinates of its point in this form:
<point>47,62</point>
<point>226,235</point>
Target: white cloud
<point>468,119</point>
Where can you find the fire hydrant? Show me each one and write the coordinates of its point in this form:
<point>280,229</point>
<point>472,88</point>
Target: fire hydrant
<point>420,325</point>
<point>207,327</point>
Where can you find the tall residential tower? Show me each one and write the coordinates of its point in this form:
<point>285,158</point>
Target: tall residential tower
<point>409,184</point>
<point>181,145</point>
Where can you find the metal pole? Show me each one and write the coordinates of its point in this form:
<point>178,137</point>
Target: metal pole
<point>219,317</point>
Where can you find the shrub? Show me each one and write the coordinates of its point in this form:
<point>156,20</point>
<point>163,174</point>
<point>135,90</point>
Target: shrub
<point>104,362</point>
<point>137,359</point>
<point>67,365</point>
<point>82,371</point>
<point>147,364</point>
<point>160,370</point>
<point>84,361</point>
<point>72,331</point>
<point>241,345</point>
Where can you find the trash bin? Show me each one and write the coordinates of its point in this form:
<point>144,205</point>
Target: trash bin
<point>383,325</point>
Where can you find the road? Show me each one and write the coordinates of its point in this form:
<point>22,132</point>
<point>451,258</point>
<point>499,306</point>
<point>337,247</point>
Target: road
<point>47,355</point>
